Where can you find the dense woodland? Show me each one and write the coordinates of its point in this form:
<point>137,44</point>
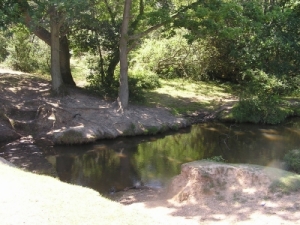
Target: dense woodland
<point>132,44</point>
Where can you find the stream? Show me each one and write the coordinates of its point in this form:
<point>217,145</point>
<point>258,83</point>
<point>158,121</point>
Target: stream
<point>113,165</point>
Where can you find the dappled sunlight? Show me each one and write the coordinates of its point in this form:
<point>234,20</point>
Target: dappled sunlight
<point>293,130</point>
<point>248,209</point>
<point>185,96</point>
<point>249,190</point>
<point>273,137</point>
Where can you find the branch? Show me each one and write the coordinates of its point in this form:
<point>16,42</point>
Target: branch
<point>112,16</point>
<point>143,34</point>
<point>155,27</point>
<point>39,31</point>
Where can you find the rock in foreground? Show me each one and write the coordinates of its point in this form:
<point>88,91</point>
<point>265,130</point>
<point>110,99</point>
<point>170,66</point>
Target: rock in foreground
<point>201,179</point>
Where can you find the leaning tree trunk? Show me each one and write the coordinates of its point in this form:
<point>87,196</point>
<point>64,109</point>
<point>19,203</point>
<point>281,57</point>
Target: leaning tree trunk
<point>123,95</point>
<point>55,64</point>
<point>45,35</point>
<point>64,58</point>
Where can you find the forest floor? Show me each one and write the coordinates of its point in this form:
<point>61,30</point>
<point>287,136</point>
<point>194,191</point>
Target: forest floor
<point>273,209</point>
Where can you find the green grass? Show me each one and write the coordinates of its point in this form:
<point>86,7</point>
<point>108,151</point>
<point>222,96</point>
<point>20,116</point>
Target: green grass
<point>182,97</point>
<point>287,184</point>
<point>79,70</point>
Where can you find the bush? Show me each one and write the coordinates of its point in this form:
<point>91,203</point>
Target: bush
<point>292,159</point>
<point>258,110</point>
<point>138,80</point>
<point>260,99</point>
<point>145,79</point>
<point>3,46</point>
<point>26,52</point>
<point>174,57</point>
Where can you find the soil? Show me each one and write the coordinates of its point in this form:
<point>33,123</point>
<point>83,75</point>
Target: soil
<point>28,110</point>
<point>32,120</point>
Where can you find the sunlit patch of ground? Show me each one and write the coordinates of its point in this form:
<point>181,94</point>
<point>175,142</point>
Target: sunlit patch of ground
<point>183,96</point>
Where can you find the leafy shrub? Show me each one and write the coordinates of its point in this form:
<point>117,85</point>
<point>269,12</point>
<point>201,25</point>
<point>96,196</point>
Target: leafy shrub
<point>292,159</point>
<point>26,52</point>
<point>218,158</point>
<point>3,46</point>
<point>20,51</point>
<point>138,81</point>
<point>260,99</point>
<point>174,57</point>
<point>257,110</point>
<point>145,79</point>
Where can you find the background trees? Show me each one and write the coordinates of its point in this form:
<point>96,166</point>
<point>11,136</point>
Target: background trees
<point>237,41</point>
<point>50,21</point>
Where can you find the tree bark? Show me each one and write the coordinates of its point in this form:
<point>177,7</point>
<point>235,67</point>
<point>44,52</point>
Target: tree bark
<point>113,62</point>
<point>55,62</point>
<point>45,35</point>
<point>123,95</point>
<point>64,58</point>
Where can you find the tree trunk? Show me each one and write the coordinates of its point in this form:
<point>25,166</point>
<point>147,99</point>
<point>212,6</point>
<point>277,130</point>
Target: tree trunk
<point>113,62</point>
<point>123,95</point>
<point>64,58</point>
<point>44,35</point>
<point>55,65</point>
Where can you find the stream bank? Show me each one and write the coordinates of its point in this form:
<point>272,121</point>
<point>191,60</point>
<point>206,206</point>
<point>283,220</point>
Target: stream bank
<point>30,115</point>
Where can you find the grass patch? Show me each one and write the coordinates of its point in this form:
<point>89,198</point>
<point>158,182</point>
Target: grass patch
<point>184,96</point>
<point>286,184</point>
<point>80,70</point>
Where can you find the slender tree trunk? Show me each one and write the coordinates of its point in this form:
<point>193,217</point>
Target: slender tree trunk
<point>55,64</point>
<point>123,95</point>
<point>64,58</point>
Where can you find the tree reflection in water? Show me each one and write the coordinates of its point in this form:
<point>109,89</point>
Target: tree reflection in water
<point>118,164</point>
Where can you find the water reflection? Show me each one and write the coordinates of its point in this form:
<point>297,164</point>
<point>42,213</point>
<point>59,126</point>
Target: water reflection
<point>118,164</point>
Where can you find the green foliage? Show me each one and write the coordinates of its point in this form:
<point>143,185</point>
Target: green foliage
<point>144,79</point>
<point>173,57</point>
<point>3,46</point>
<point>286,184</point>
<point>21,52</point>
<point>151,130</point>
<point>292,159</point>
<point>247,35</point>
<point>139,81</point>
<point>26,53</point>
<point>218,158</point>
<point>260,99</point>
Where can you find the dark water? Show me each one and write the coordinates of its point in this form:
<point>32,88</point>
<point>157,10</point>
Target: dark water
<point>123,162</point>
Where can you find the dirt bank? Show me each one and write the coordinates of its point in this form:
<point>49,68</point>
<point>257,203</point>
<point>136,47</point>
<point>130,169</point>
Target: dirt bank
<point>75,118</point>
<point>31,117</point>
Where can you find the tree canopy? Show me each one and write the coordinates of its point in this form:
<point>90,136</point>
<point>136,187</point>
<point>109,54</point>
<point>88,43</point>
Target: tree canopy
<point>232,40</point>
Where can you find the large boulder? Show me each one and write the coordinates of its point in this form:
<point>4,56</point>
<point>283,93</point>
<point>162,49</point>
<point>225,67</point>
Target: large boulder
<point>201,179</point>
